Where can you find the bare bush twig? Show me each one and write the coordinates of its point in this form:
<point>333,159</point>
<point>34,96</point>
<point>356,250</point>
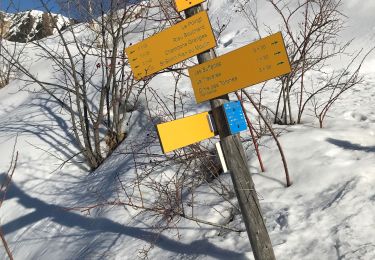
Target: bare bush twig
<point>3,191</point>
<point>288,181</point>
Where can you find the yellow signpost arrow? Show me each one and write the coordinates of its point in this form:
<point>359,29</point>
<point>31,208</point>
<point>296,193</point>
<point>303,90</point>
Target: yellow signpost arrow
<point>254,63</point>
<point>182,5</point>
<point>185,131</point>
<point>175,44</point>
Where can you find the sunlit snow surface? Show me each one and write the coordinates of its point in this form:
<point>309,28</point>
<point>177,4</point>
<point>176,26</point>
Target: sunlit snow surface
<point>328,212</point>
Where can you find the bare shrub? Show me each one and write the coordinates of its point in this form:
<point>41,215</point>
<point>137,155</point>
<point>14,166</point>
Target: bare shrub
<point>311,30</point>
<point>92,80</point>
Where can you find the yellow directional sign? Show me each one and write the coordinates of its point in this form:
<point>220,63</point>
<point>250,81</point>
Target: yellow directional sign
<point>175,44</point>
<point>185,131</point>
<point>182,5</point>
<point>254,63</point>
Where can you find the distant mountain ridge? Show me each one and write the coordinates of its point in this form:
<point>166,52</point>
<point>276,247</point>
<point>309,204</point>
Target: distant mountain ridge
<point>31,25</point>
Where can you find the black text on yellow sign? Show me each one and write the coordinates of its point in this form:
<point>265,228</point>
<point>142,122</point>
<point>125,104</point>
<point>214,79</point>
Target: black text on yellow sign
<point>175,44</point>
<point>254,63</point>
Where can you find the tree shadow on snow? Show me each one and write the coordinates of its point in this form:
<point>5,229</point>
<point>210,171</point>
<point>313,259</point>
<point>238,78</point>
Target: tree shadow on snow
<point>42,118</point>
<point>346,145</point>
<point>61,216</point>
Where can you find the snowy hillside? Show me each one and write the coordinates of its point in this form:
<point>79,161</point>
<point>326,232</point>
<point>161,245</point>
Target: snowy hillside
<point>58,209</point>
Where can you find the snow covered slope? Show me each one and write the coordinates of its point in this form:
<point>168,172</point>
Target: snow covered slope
<point>328,212</point>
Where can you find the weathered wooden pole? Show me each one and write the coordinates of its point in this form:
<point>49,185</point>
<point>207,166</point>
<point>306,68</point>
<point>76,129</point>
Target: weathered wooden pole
<point>237,164</point>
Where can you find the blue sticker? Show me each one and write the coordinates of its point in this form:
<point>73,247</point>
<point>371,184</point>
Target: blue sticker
<point>235,117</point>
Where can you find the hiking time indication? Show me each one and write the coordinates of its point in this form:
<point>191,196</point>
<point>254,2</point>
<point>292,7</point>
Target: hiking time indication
<point>173,45</point>
<point>254,63</point>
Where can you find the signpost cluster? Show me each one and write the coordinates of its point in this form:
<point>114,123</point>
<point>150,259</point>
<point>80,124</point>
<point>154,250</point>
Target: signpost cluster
<point>212,80</point>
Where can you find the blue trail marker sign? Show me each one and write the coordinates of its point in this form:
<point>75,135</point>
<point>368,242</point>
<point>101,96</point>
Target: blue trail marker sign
<point>235,117</point>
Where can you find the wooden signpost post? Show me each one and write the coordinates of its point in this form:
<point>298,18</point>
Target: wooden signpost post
<point>237,165</point>
<point>212,80</point>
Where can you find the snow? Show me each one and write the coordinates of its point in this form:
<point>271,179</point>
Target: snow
<point>328,212</point>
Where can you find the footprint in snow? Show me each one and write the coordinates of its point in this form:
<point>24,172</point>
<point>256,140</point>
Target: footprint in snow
<point>227,39</point>
<point>282,219</point>
<point>355,116</point>
<point>359,117</point>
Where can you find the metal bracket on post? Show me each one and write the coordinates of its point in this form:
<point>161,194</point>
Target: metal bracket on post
<point>211,123</point>
<point>221,157</point>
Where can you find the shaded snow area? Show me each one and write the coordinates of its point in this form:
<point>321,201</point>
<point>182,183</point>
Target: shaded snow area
<point>328,212</point>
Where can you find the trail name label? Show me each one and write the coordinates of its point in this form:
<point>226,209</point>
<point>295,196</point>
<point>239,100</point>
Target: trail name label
<point>173,45</point>
<point>254,63</point>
